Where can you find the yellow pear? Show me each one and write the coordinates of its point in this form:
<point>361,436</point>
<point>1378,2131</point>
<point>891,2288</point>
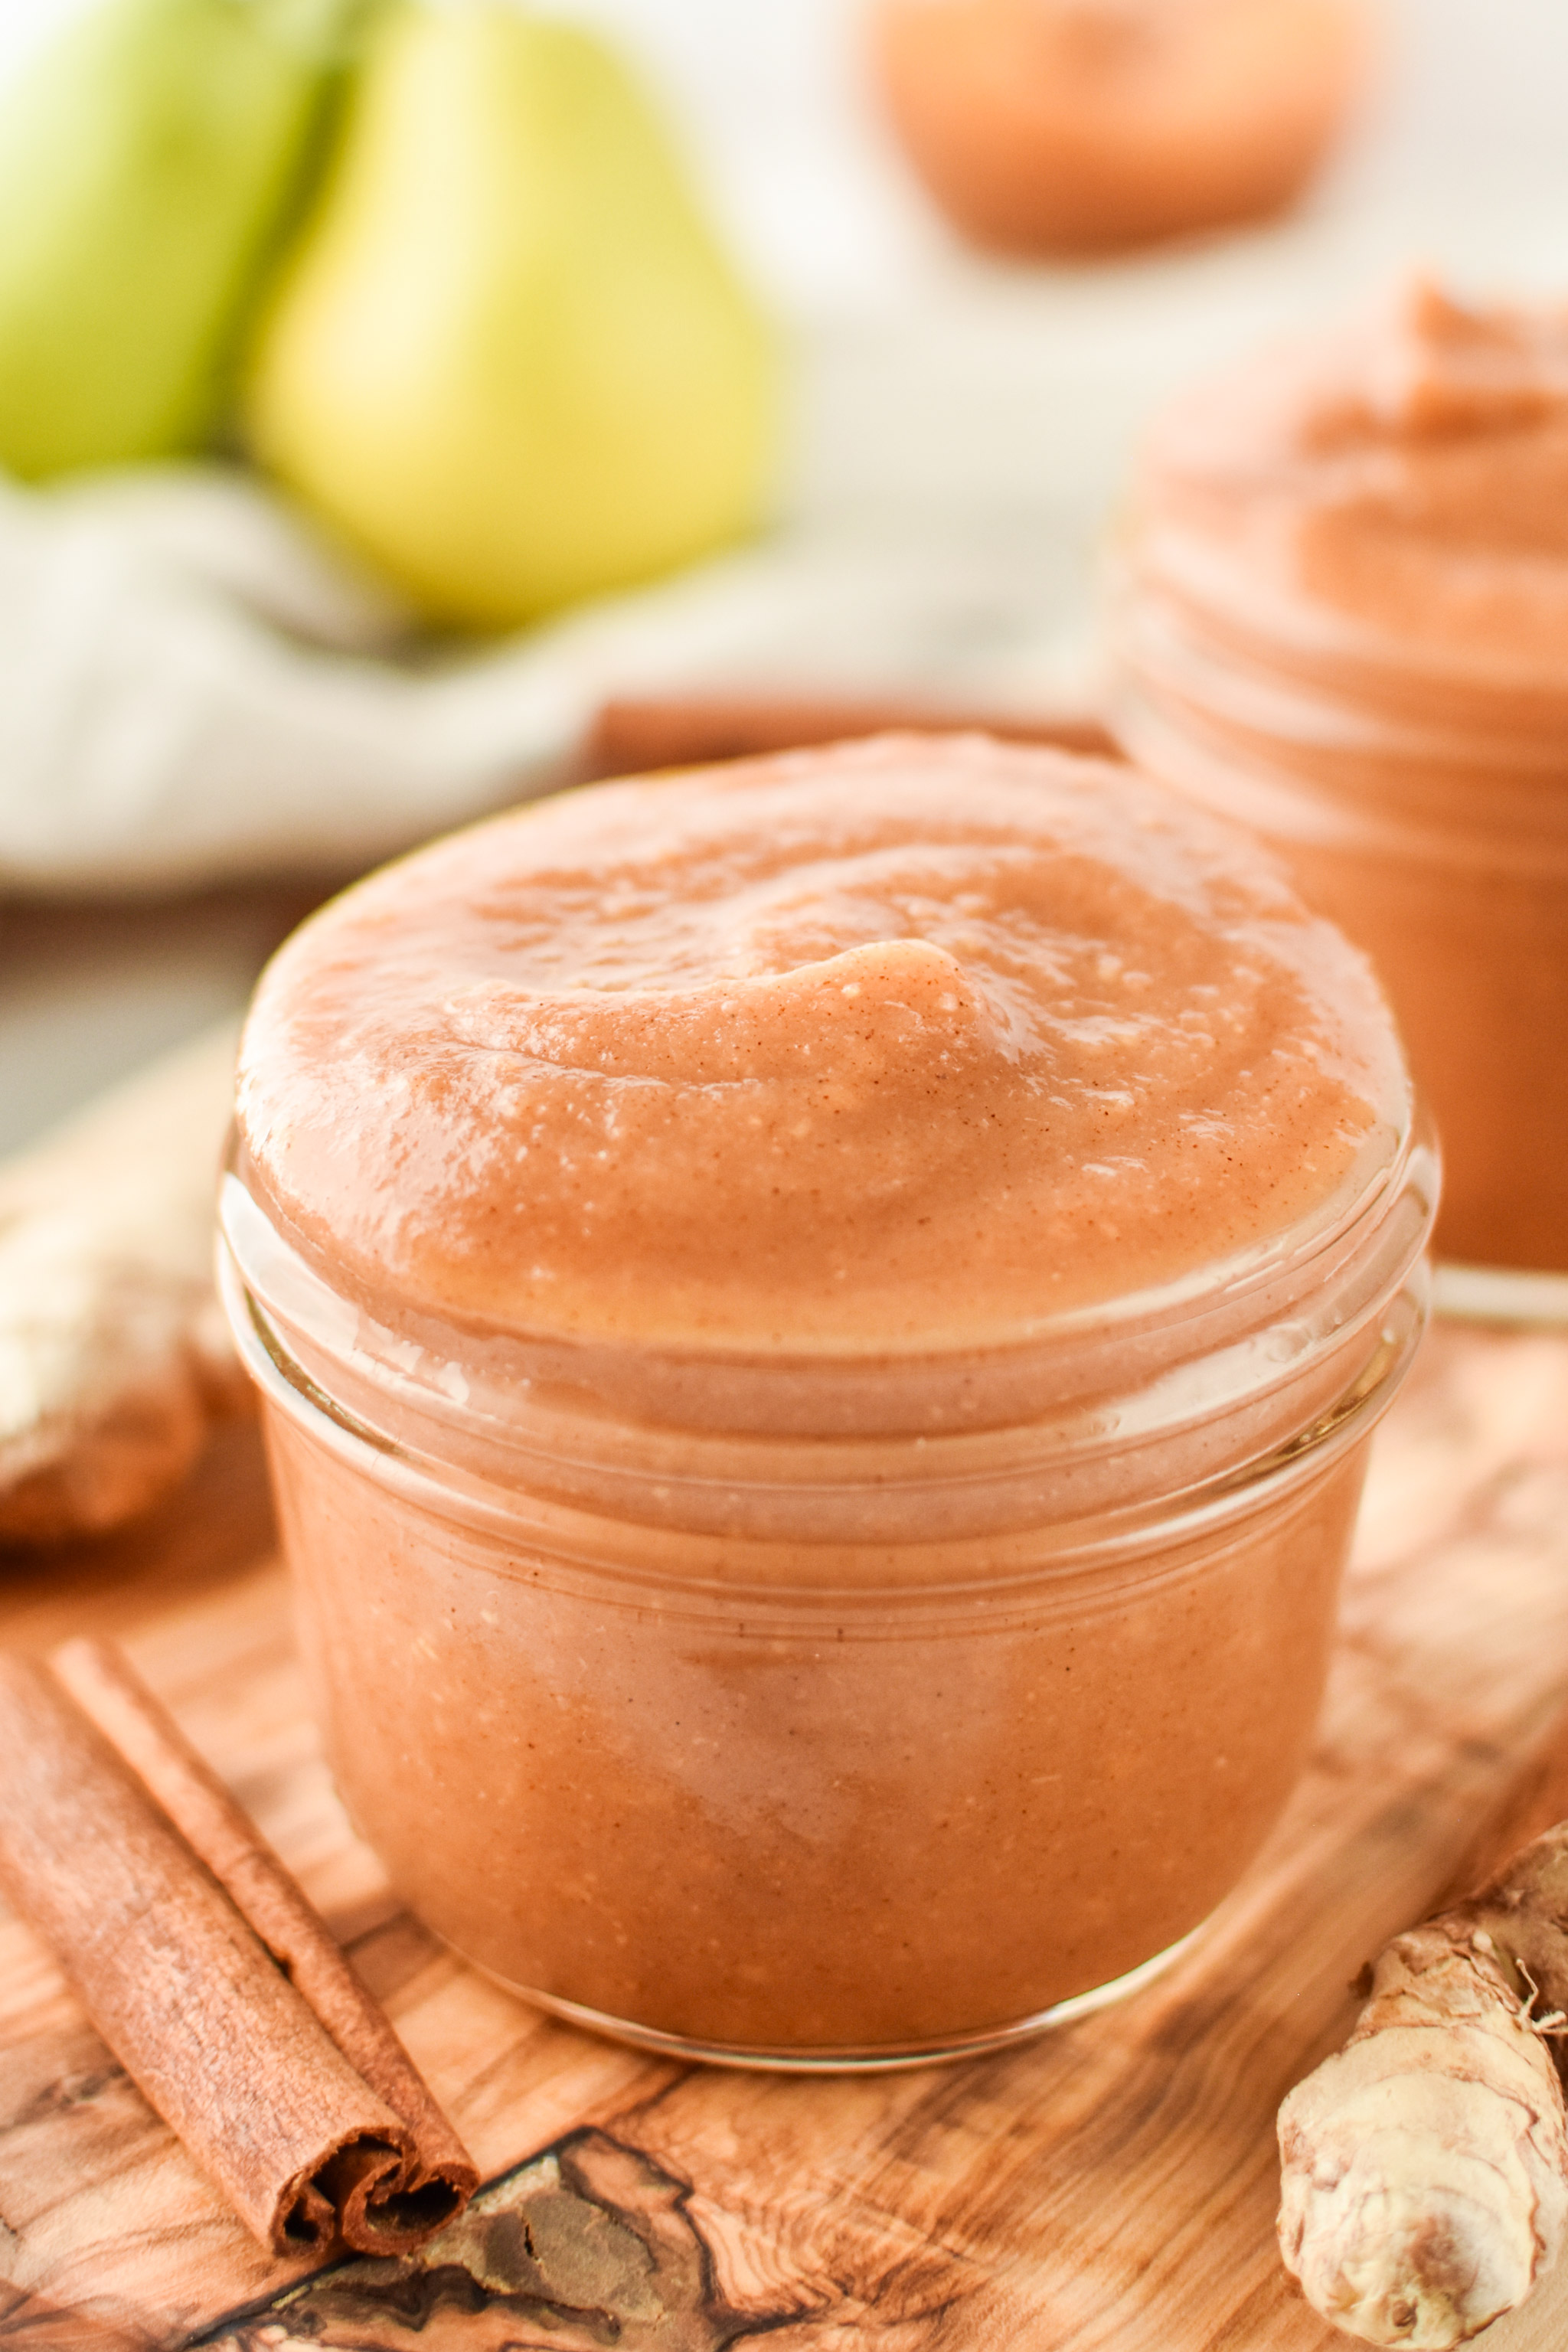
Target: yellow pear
<point>508,359</point>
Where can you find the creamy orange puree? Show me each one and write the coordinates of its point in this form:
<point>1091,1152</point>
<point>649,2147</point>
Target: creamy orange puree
<point>1016,1187</point>
<point>907,1044</point>
<point>1347,622</point>
<point>1060,126</point>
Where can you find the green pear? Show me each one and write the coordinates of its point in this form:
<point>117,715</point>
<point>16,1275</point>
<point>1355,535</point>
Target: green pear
<point>508,360</point>
<point>149,159</point>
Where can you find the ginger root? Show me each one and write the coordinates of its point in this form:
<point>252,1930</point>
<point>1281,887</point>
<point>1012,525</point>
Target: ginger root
<point>1424,2166</point>
<point>114,1357</point>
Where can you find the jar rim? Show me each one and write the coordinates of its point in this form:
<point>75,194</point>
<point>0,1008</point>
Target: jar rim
<point>1449,767</point>
<point>1103,1435</point>
<point>1386,1201</point>
<point>1082,1558</point>
<point>1255,613</point>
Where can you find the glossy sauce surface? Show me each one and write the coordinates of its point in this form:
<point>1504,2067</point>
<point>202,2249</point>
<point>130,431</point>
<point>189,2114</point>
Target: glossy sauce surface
<point>910,1043</point>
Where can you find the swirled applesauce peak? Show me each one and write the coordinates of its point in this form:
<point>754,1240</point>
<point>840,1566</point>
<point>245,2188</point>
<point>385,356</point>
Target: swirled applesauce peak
<point>1392,495</point>
<point>913,1043</point>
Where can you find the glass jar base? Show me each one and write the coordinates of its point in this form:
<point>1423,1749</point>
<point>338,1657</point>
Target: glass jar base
<point>1500,1294</point>
<point>850,2061</point>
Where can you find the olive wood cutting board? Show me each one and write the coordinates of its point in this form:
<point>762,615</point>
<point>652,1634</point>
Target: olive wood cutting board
<point>1107,2189</point>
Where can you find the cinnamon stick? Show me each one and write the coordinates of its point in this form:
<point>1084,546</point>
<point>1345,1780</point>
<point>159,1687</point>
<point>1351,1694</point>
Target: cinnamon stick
<point>101,1680</point>
<point>630,738</point>
<point>191,1999</point>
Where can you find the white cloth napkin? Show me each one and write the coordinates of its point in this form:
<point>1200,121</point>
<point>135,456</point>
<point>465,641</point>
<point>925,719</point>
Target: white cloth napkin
<point>194,686</point>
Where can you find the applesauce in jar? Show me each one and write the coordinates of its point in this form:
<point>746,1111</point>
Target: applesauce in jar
<point>1343,620</point>
<point>819,1322</point>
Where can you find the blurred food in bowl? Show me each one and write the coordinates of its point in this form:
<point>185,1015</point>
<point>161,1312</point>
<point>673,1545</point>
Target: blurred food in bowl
<point>1071,126</point>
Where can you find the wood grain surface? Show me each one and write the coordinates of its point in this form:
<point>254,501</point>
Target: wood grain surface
<point>1107,2189</point>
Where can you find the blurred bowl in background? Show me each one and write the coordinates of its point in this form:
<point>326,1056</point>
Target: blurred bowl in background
<point>1076,126</point>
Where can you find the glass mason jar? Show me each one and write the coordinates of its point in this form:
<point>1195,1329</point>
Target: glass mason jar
<point>819,1713</point>
<point>1428,818</point>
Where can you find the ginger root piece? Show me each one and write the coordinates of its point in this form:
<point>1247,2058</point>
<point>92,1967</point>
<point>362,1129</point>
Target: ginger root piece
<point>1424,2166</point>
<point>114,1357</point>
